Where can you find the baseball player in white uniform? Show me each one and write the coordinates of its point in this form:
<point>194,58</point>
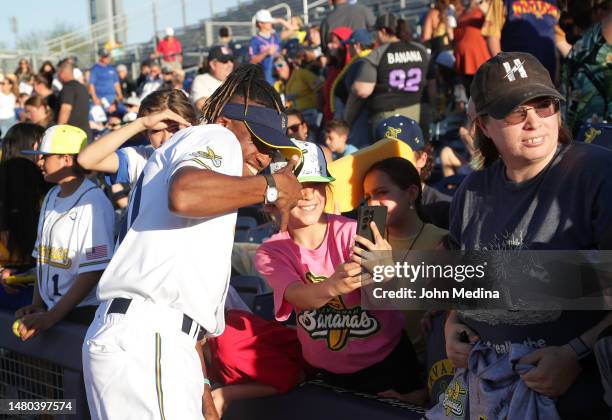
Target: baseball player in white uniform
<point>166,284</point>
<point>75,235</point>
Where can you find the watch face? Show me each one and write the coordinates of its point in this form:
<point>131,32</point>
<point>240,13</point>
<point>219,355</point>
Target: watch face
<point>271,194</point>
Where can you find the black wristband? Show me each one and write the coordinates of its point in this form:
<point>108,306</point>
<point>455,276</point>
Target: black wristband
<point>270,180</point>
<point>580,348</point>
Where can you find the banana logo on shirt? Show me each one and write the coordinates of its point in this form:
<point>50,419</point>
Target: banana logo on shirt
<point>54,256</point>
<point>440,374</point>
<point>199,157</point>
<point>453,401</point>
<point>591,135</point>
<point>335,322</point>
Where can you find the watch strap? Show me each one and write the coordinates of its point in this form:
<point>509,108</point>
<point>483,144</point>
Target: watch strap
<point>270,180</point>
<point>581,349</point>
<point>271,184</point>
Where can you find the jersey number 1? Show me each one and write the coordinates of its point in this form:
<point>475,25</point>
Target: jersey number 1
<point>55,280</point>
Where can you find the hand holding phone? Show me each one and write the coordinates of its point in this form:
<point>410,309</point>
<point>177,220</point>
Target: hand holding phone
<point>370,238</point>
<point>365,216</point>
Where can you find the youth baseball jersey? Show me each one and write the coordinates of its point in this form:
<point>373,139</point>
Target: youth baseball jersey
<point>183,263</point>
<point>75,236</point>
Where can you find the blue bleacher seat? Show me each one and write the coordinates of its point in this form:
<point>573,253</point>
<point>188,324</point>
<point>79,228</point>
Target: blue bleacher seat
<point>243,224</point>
<point>259,233</point>
<point>263,306</point>
<point>255,211</point>
<point>248,287</point>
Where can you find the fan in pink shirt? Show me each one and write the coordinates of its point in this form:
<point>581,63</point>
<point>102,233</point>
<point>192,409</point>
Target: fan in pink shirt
<point>312,271</point>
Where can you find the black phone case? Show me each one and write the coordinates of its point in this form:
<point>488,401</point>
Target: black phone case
<point>366,214</point>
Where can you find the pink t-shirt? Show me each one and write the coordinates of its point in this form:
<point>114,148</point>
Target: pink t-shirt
<point>340,337</point>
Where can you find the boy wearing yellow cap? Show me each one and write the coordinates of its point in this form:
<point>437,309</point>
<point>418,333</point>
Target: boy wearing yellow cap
<point>75,236</point>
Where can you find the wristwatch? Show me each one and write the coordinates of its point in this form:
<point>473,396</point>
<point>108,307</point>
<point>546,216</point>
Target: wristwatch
<point>271,191</point>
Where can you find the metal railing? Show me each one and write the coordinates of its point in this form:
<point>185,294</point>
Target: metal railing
<point>307,6</point>
<point>277,7</point>
<point>101,27</point>
<point>10,58</point>
<point>209,26</point>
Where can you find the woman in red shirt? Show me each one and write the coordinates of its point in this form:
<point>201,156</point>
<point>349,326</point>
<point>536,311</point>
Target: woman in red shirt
<point>469,45</point>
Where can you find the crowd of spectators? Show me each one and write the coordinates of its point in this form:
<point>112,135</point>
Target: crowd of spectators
<point>350,85</point>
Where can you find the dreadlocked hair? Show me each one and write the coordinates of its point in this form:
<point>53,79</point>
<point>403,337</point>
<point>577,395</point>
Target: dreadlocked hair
<point>248,82</point>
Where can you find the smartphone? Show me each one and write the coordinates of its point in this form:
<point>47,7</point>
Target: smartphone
<point>367,214</point>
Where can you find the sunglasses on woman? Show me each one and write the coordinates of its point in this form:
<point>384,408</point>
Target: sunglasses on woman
<point>543,108</point>
<point>293,128</point>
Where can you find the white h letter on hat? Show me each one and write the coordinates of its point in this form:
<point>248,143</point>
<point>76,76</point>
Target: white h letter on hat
<point>518,67</point>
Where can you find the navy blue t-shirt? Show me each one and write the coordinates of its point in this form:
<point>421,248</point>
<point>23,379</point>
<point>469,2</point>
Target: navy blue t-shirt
<point>567,206</point>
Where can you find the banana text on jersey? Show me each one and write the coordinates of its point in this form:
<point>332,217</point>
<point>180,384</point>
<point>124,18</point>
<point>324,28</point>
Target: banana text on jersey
<point>54,256</point>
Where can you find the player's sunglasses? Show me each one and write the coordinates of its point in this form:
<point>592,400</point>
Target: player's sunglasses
<point>543,108</point>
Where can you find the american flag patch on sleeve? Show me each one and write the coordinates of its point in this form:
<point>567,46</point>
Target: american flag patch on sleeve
<point>96,252</point>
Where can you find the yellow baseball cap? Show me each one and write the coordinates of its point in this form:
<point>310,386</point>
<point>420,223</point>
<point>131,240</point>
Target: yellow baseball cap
<point>349,171</point>
<point>61,139</point>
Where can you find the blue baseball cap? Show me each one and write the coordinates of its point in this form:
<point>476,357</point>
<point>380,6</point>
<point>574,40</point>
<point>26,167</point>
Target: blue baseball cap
<point>266,124</point>
<point>401,128</point>
<point>360,36</point>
